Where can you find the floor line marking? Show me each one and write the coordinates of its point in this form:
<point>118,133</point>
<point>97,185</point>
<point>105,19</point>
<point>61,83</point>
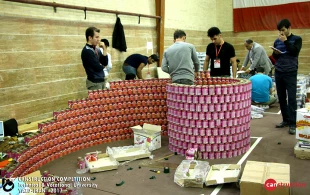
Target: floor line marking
<point>249,151</point>
<point>219,187</point>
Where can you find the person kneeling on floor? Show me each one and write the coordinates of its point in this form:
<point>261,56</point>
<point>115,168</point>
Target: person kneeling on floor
<point>262,88</point>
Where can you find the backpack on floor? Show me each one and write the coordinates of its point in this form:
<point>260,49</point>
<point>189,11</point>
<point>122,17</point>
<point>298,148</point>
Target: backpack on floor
<point>10,127</point>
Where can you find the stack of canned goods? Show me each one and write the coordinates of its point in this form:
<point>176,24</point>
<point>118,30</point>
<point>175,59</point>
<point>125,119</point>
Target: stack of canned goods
<point>213,118</point>
<point>104,116</point>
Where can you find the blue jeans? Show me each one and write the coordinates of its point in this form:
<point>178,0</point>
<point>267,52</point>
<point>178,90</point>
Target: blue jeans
<point>129,70</point>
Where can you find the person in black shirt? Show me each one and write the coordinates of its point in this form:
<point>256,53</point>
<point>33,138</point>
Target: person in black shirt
<point>93,60</point>
<point>134,64</point>
<point>221,54</point>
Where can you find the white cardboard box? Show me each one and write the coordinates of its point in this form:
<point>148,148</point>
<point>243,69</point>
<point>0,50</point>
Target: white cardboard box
<point>125,153</point>
<point>223,173</point>
<point>150,135</point>
<point>103,163</point>
<point>303,125</point>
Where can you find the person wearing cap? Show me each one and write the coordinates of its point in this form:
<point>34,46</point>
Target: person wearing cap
<point>221,54</point>
<point>180,60</point>
<point>262,88</point>
<point>93,60</point>
<point>257,56</point>
<point>134,64</point>
<point>109,66</point>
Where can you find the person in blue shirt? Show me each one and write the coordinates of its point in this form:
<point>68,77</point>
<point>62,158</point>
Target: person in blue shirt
<point>262,88</point>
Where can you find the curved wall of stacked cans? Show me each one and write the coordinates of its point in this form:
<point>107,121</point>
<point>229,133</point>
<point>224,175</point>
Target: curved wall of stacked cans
<point>215,118</point>
<point>105,116</point>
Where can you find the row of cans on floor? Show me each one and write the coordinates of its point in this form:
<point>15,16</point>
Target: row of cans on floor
<point>137,83</point>
<point>95,119</point>
<point>112,93</point>
<point>209,89</point>
<point>57,137</point>
<point>219,123</point>
<point>111,110</point>
<point>103,118</point>
<point>208,115</point>
<point>197,107</point>
<point>60,143</point>
<point>86,129</point>
<point>37,160</point>
<point>212,154</point>
<point>84,103</point>
<point>207,131</point>
<point>199,139</point>
<point>71,133</point>
<point>208,99</point>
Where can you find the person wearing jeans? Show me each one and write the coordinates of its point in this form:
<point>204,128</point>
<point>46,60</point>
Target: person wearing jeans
<point>134,64</point>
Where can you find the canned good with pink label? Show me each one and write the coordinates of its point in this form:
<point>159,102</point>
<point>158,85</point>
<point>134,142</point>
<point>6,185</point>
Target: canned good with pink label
<point>208,99</point>
<point>191,90</point>
<point>201,131</point>
<point>204,90</point>
<point>198,90</point>
<point>205,140</point>
<point>186,89</point>
<point>201,99</point>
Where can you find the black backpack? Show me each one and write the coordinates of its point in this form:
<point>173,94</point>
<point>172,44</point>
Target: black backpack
<point>10,127</point>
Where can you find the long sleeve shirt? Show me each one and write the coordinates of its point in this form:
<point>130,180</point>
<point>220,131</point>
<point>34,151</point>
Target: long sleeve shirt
<point>287,61</point>
<point>180,61</point>
<point>94,63</point>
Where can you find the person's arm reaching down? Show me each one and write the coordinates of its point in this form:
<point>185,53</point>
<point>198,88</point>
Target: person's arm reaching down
<point>139,70</point>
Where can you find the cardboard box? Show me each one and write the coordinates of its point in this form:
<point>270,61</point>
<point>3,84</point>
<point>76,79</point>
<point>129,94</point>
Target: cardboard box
<point>191,173</point>
<point>161,74</point>
<point>256,173</point>
<point>128,152</point>
<point>223,173</point>
<point>303,125</point>
<point>103,163</point>
<point>150,135</point>
<point>301,153</point>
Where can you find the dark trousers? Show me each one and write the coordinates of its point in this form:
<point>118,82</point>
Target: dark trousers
<point>286,83</point>
<point>184,82</point>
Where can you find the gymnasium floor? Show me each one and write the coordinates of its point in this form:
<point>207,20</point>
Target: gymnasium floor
<point>276,145</point>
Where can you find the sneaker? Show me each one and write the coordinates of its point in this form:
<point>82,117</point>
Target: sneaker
<point>292,130</point>
<point>282,124</point>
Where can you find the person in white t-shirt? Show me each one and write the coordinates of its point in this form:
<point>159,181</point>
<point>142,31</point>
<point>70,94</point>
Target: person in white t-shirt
<point>107,69</point>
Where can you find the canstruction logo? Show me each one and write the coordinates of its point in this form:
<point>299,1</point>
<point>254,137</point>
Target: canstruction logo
<point>271,185</point>
<point>7,185</point>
